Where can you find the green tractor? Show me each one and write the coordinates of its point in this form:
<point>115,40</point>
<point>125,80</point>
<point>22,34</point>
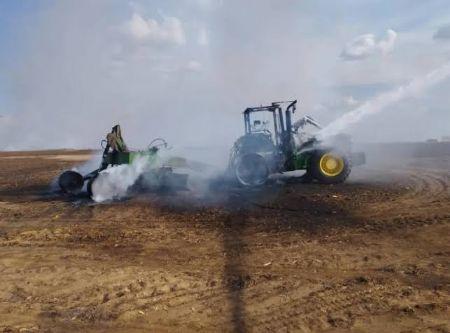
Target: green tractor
<point>278,145</point>
<point>152,175</point>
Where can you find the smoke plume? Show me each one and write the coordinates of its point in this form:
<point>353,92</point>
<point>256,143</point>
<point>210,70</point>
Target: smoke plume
<point>114,182</point>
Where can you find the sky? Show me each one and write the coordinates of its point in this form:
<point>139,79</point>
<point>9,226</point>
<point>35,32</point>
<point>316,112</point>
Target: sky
<point>186,69</point>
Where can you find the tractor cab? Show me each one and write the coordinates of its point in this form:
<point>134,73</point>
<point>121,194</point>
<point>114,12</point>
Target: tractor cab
<point>266,143</point>
<point>274,134</point>
<point>277,125</point>
<point>270,120</point>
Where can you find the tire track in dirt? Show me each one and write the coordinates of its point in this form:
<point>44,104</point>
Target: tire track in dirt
<point>336,306</point>
<point>429,185</point>
<point>427,201</point>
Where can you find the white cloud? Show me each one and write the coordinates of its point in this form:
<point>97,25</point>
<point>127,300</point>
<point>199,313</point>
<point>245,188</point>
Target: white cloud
<point>209,4</point>
<point>170,30</point>
<point>367,45</point>
<point>170,68</point>
<point>194,66</point>
<point>203,38</point>
<point>442,32</point>
<point>350,101</point>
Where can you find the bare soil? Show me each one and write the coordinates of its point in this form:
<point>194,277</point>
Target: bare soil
<point>369,255</point>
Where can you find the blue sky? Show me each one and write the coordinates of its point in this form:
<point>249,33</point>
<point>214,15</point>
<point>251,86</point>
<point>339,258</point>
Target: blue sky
<point>170,67</point>
<point>14,15</point>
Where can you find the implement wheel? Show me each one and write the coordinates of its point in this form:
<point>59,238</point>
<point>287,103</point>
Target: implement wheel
<point>329,167</point>
<point>71,182</point>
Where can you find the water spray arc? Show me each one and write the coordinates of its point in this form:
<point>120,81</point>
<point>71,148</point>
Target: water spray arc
<point>381,102</point>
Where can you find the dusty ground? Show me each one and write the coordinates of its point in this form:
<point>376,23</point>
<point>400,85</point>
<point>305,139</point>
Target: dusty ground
<point>370,255</point>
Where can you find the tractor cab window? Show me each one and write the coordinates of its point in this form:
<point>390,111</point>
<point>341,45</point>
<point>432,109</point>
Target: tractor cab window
<point>260,124</point>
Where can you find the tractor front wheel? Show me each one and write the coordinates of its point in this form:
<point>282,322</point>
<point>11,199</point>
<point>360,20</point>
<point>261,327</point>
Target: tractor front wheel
<point>329,167</point>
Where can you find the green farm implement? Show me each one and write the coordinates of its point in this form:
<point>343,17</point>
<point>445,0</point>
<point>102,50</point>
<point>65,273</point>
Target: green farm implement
<point>157,176</point>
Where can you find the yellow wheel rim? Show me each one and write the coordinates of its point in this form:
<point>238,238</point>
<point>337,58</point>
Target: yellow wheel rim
<point>331,165</point>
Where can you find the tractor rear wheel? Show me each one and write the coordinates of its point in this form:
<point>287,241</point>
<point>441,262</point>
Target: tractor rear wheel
<point>251,170</point>
<point>329,167</point>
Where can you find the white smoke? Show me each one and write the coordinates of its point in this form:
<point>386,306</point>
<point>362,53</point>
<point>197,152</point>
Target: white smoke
<point>114,182</point>
<point>381,102</point>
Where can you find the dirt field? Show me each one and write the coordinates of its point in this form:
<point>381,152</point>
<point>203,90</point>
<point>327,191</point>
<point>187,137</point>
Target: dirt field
<point>370,255</point>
